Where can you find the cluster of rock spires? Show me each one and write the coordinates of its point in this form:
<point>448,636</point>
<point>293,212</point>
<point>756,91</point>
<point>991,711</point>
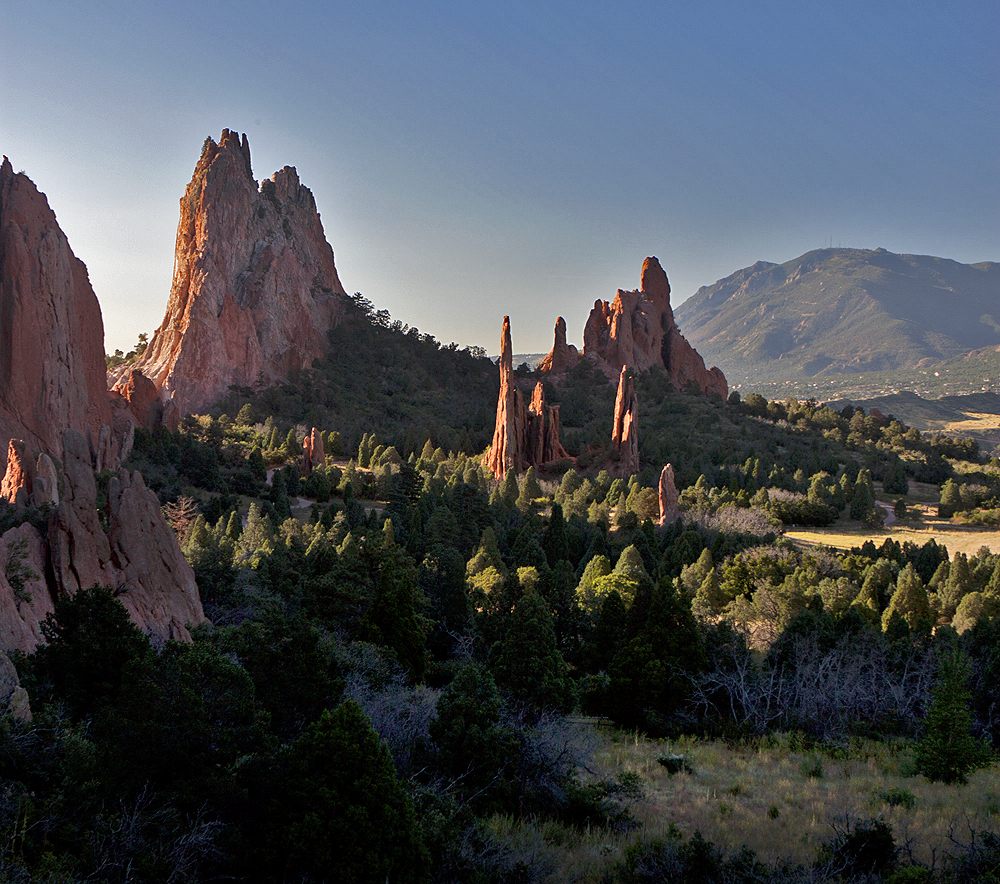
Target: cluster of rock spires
<point>637,331</point>
<point>523,436</point>
<point>59,424</point>
<point>255,289</point>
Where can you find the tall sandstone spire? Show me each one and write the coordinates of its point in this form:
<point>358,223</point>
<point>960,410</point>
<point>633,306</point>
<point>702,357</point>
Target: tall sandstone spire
<point>625,430</point>
<point>523,436</point>
<point>255,289</point>
<point>52,372</point>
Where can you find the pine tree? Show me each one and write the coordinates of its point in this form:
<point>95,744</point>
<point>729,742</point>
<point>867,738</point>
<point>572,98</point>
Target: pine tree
<point>909,601</point>
<point>948,751</point>
<point>526,660</point>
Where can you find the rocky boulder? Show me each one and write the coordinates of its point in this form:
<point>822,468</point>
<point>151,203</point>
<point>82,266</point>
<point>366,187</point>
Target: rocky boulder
<point>141,398</point>
<point>255,289</point>
<point>138,557</point>
<point>12,695</point>
<point>52,372</point>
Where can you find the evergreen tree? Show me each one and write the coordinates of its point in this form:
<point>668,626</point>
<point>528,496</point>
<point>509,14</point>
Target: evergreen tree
<point>508,488</point>
<point>529,492</point>
<point>392,619</point>
<point>337,811</point>
<point>526,659</point>
<point>951,499</point>
<point>909,601</point>
<point>958,585</point>
<point>948,751</point>
<point>554,539</point>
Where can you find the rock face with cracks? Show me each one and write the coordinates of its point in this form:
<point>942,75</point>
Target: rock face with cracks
<point>137,556</point>
<point>52,372</point>
<point>637,330</point>
<point>523,436</point>
<point>255,289</point>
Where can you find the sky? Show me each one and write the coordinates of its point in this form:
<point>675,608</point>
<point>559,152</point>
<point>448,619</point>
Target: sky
<point>471,160</point>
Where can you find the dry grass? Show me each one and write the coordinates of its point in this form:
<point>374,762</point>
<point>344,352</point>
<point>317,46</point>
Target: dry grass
<point>957,538</point>
<point>778,798</point>
<point>770,797</point>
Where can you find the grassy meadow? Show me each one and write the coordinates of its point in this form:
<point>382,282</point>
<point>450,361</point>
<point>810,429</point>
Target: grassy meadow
<point>776,795</point>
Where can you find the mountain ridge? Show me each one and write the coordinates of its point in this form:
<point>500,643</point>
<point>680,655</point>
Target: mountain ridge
<point>838,311</point>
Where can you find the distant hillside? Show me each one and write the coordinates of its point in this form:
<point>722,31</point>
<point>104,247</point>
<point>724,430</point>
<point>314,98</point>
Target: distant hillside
<point>838,311</point>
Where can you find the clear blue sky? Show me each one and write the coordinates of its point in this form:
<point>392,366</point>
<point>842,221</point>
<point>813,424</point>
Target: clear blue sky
<point>476,159</point>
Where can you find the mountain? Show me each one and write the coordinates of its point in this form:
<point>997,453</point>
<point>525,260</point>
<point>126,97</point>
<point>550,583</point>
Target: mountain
<point>837,311</point>
<point>255,288</point>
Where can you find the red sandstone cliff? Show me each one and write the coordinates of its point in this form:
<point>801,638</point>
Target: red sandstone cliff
<point>52,373</point>
<point>638,330</point>
<point>255,289</point>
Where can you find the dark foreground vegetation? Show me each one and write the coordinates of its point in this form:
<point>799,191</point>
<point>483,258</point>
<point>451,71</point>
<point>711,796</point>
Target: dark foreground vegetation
<point>402,662</point>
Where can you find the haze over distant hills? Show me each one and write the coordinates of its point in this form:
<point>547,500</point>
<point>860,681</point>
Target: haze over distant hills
<point>836,311</point>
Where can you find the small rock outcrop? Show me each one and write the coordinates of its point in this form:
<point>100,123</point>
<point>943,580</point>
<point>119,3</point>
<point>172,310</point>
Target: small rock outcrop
<point>312,452</point>
<point>668,496</point>
<point>563,356</point>
<point>523,436</point>
<point>625,431</point>
<point>255,289</point>
<point>52,372</point>
<point>637,330</point>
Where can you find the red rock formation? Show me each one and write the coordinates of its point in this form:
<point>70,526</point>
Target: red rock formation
<point>505,450</point>
<point>141,396</point>
<point>668,496</point>
<point>25,599</point>
<point>139,556</point>
<point>522,436</point>
<point>312,452</point>
<point>18,480</point>
<point>625,431</point>
<point>52,372</point>
<point>542,443</point>
<point>155,583</point>
<point>638,330</point>
<point>255,289</point>
<point>563,356</point>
